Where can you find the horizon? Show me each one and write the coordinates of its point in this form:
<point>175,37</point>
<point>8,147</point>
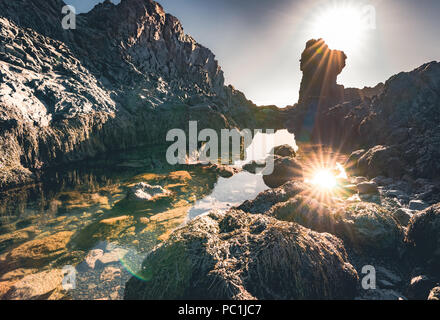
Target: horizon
<point>401,41</point>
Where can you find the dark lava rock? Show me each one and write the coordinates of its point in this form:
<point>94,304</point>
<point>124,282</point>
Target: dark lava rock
<point>243,256</point>
<point>284,170</point>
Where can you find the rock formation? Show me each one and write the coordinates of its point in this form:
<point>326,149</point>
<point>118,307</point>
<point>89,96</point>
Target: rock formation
<point>397,129</point>
<point>242,256</point>
<point>319,90</point>
<point>126,75</point>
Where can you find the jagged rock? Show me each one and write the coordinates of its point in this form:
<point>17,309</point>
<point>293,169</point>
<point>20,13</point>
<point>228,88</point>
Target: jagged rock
<point>420,287</point>
<point>434,294</point>
<point>404,116</point>
<point>284,170</point>
<point>123,78</point>
<point>403,215</point>
<point>241,256</point>
<point>318,90</point>
<point>423,235</point>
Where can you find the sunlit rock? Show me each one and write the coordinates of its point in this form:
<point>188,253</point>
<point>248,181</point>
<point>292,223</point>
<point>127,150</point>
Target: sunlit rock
<point>246,257</point>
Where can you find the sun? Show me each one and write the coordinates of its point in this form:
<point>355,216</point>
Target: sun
<point>341,25</point>
<point>324,179</point>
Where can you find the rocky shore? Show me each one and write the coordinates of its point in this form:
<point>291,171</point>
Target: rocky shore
<point>126,76</point>
<point>288,243</point>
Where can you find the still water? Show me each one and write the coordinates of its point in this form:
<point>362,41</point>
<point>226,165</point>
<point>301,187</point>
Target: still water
<point>80,217</point>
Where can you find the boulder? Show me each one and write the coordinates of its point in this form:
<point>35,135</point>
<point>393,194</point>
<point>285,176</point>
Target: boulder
<point>284,170</point>
<point>367,188</point>
<point>236,255</point>
<point>380,160</point>
<point>306,211</point>
<point>403,215</point>
<point>423,236</point>
<point>368,227</point>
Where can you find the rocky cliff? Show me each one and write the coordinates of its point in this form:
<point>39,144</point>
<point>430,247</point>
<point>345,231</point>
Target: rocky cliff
<point>126,75</point>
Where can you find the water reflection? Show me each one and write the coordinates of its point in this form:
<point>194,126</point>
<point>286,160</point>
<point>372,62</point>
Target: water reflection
<point>81,212</point>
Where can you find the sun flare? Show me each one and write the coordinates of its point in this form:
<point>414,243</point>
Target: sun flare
<point>342,26</point>
<point>324,179</point>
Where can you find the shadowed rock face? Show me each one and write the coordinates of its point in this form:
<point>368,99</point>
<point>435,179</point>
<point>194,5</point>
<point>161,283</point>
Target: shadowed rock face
<point>125,76</point>
<point>321,66</point>
<point>319,90</point>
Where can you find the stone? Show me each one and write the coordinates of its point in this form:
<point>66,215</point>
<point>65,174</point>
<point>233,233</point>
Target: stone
<point>284,170</point>
<point>247,257</point>
<point>92,256</point>
<point>318,91</point>
<point>423,236</point>
<point>403,215</point>
<point>367,188</point>
<point>36,286</point>
<point>417,205</point>
<point>368,228</point>
<point>36,253</point>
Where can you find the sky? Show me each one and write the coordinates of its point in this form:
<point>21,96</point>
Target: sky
<point>258,43</point>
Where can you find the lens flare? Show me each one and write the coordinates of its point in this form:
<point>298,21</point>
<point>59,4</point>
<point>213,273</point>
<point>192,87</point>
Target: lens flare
<point>324,179</point>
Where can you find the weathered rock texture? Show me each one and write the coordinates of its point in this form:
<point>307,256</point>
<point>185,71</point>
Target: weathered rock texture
<point>242,256</point>
<point>423,235</point>
<point>124,77</point>
<point>399,126</point>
